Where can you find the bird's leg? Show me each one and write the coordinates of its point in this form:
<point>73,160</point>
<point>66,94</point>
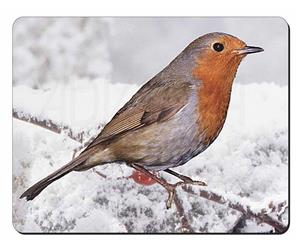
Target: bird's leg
<point>168,186</point>
<point>185,179</point>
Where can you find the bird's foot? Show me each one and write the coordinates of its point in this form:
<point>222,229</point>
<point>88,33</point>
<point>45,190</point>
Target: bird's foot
<point>171,188</point>
<point>188,180</point>
<point>185,179</point>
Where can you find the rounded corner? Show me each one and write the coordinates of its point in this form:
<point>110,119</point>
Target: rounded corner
<point>17,20</point>
<point>283,20</point>
<point>286,229</point>
<point>16,229</point>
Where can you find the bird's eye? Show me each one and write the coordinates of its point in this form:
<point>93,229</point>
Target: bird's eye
<point>218,47</point>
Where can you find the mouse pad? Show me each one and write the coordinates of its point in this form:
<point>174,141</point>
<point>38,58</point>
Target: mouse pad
<point>150,125</point>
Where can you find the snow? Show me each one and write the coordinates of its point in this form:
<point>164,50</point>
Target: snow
<point>248,163</point>
<point>77,105</point>
<point>55,49</point>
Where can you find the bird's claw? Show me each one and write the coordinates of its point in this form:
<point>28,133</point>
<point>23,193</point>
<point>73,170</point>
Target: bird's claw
<point>199,183</point>
<point>171,188</point>
<point>188,180</point>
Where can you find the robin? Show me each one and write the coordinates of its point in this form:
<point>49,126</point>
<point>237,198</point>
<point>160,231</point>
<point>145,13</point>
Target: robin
<point>171,119</point>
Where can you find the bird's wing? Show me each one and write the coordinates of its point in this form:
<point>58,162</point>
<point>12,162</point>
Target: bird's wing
<point>152,103</point>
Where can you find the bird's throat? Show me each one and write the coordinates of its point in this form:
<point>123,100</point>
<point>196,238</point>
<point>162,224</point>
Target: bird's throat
<point>213,101</point>
<point>213,105</point>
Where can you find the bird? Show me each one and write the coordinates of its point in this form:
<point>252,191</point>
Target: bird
<point>172,118</point>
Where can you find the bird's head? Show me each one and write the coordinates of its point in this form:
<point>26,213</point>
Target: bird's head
<point>215,59</point>
<point>218,56</point>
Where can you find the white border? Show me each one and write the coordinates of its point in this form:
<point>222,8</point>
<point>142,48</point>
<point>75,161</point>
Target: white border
<point>12,9</point>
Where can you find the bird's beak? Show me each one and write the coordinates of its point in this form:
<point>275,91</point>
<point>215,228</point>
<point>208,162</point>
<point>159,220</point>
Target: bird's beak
<point>249,50</point>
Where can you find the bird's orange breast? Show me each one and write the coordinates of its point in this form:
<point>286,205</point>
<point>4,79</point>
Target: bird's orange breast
<point>213,98</point>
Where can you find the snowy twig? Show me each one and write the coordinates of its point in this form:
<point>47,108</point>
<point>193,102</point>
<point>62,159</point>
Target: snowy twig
<point>54,127</point>
<point>238,224</point>
<point>99,173</point>
<point>262,216</point>
<point>185,225</point>
<point>48,124</point>
<point>281,211</point>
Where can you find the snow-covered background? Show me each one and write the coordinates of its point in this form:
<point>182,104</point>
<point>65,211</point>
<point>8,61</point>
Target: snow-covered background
<point>133,50</point>
<point>69,71</point>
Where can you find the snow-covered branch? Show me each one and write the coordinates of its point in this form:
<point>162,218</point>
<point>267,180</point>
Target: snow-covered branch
<point>53,127</point>
<point>185,225</point>
<point>48,124</point>
<point>262,216</point>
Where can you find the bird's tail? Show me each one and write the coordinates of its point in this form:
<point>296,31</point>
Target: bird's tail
<point>37,188</point>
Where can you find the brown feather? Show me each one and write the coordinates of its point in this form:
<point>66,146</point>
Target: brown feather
<point>145,108</point>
